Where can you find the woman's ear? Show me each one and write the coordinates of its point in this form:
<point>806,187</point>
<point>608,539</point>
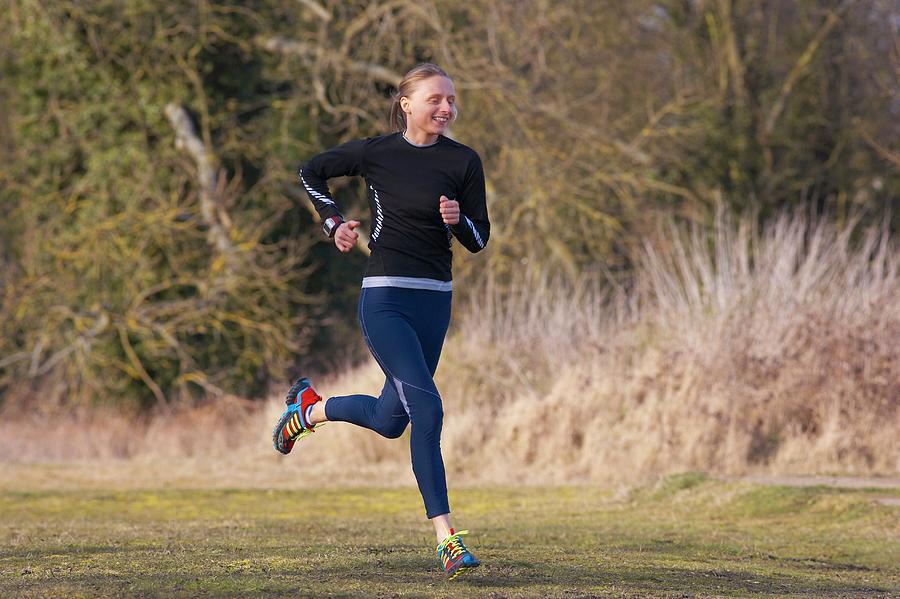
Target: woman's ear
<point>404,105</point>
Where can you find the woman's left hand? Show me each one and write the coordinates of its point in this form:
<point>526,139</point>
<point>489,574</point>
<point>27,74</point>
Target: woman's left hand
<point>449,211</point>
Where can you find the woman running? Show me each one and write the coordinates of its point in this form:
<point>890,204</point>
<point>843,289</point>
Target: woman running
<point>423,189</point>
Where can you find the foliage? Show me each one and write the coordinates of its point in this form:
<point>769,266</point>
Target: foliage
<point>114,288</point>
<point>127,274</point>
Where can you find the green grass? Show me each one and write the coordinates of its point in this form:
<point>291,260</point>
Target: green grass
<point>687,537</point>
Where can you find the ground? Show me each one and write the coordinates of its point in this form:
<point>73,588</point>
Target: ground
<point>688,536</point>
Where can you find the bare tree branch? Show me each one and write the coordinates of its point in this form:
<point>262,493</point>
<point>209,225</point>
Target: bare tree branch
<point>83,340</point>
<point>375,71</point>
<point>317,9</point>
<point>881,150</point>
<point>800,66</point>
<point>288,46</point>
<point>210,204</point>
<point>139,367</point>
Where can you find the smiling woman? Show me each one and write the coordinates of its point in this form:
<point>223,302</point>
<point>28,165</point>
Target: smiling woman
<point>424,189</point>
<point>426,107</point>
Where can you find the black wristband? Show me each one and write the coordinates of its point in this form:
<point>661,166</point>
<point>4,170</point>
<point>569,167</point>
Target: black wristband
<point>331,225</point>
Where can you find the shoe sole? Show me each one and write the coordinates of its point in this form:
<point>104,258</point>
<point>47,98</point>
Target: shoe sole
<point>298,387</point>
<point>462,570</point>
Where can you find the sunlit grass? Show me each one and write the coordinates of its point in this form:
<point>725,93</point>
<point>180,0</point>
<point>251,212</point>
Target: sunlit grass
<point>686,536</point>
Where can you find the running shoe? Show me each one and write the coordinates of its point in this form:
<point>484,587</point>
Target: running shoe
<point>294,424</point>
<point>454,556</point>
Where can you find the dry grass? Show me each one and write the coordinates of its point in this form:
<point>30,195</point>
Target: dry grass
<point>739,352</point>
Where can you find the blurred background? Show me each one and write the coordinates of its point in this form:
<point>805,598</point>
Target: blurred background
<point>693,264</point>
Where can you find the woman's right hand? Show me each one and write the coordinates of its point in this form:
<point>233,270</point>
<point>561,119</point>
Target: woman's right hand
<point>345,238</point>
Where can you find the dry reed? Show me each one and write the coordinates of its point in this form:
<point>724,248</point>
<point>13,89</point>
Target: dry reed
<point>735,352</point>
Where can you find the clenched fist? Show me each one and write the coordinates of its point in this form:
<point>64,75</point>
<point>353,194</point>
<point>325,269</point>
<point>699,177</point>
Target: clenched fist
<point>449,211</point>
<point>345,238</point>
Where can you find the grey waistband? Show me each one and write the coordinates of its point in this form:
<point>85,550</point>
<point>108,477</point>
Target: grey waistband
<point>408,283</point>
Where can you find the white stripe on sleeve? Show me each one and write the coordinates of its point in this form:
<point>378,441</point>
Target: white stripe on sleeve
<point>474,232</point>
<point>314,193</point>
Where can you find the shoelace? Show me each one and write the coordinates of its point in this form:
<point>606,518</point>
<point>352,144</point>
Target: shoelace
<point>453,544</point>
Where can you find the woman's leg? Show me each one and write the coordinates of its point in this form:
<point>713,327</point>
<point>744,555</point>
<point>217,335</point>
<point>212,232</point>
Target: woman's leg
<point>431,322</point>
<point>383,414</point>
<point>389,316</point>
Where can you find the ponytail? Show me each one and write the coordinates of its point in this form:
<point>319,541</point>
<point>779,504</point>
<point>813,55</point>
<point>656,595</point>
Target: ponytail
<point>398,117</point>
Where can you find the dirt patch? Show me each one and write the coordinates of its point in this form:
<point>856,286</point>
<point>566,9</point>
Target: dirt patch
<point>846,482</point>
<point>891,501</point>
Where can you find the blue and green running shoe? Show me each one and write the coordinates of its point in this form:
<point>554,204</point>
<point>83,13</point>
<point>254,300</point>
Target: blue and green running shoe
<point>454,556</point>
<point>294,424</point>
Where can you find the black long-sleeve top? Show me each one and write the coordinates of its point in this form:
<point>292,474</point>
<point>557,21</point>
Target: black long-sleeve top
<point>404,184</point>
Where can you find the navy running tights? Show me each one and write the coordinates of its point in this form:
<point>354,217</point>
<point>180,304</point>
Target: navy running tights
<point>405,329</point>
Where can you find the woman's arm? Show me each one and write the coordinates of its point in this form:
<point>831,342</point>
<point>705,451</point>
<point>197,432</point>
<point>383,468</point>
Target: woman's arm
<point>473,228</point>
<point>344,160</point>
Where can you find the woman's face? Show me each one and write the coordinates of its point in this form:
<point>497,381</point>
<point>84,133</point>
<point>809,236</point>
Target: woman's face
<point>431,107</point>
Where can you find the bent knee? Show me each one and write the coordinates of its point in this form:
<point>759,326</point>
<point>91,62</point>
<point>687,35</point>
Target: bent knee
<point>393,429</point>
<point>431,416</point>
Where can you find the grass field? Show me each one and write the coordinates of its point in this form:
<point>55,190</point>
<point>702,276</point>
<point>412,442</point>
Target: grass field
<point>688,536</point>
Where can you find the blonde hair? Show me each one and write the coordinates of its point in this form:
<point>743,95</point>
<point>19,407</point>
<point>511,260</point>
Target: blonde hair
<point>416,75</point>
